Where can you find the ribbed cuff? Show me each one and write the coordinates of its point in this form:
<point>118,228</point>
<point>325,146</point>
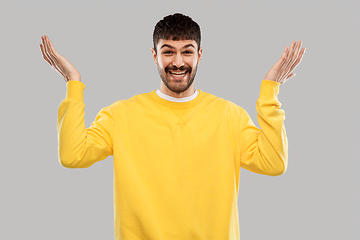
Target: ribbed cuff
<point>269,89</point>
<point>75,90</point>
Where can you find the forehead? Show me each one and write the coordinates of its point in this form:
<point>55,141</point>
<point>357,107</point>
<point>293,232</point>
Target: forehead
<point>178,44</point>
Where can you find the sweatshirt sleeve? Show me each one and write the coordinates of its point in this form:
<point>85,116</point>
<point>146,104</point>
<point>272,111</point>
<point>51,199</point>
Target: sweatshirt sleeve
<point>265,150</point>
<point>80,147</point>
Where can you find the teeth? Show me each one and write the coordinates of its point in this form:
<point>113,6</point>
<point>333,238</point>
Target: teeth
<point>178,73</point>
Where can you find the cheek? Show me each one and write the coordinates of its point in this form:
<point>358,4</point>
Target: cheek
<point>194,64</point>
<point>162,64</point>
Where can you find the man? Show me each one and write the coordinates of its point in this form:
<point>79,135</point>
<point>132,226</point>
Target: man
<point>177,151</point>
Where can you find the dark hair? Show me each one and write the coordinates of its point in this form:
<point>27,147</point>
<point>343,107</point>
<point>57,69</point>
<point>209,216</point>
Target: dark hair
<point>177,27</point>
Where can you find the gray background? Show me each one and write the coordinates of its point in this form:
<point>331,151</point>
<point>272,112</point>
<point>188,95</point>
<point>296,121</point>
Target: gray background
<point>110,46</point>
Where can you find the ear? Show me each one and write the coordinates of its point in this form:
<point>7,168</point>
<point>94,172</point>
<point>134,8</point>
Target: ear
<point>154,55</point>
<point>199,55</point>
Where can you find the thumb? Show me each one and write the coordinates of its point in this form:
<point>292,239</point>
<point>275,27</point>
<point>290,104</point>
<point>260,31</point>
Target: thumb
<point>288,77</point>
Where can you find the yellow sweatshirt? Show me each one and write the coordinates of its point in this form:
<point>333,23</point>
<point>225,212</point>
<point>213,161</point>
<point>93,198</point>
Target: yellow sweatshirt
<point>176,164</point>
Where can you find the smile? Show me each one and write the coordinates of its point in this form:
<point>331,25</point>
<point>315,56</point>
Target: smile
<point>178,74</point>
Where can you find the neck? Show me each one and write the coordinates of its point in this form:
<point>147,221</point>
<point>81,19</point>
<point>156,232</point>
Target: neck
<point>190,91</point>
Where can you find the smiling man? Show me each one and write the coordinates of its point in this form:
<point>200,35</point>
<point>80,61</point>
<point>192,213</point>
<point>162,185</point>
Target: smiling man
<point>177,150</point>
<point>177,64</point>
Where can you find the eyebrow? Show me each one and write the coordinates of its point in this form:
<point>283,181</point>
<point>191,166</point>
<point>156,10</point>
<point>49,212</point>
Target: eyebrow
<point>186,46</point>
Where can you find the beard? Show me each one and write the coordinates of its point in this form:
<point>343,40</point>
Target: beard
<point>178,86</point>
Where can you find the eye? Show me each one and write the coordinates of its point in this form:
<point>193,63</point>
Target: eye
<point>188,52</point>
<point>167,52</point>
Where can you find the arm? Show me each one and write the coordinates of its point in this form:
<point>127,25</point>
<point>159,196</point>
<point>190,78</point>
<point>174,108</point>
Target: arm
<point>264,151</point>
<point>80,147</point>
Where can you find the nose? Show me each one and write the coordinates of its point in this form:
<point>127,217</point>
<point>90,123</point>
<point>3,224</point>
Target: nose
<point>178,60</point>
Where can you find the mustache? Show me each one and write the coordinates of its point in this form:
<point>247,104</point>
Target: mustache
<point>174,68</point>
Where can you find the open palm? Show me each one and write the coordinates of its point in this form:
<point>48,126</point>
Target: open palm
<point>58,62</point>
<point>283,69</point>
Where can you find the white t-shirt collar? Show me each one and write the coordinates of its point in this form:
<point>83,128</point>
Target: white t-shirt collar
<point>174,99</point>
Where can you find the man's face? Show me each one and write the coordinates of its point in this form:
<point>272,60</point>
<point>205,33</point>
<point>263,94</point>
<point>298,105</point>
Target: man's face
<point>177,63</point>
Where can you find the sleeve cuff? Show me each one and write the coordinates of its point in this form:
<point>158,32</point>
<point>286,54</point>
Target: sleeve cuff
<point>269,89</point>
<point>75,90</point>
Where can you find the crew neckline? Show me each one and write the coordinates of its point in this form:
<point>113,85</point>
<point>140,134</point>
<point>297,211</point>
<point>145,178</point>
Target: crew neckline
<point>174,99</point>
<point>172,104</point>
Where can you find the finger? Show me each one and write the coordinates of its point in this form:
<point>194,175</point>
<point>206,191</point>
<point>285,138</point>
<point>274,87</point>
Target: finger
<point>44,55</point>
<point>50,50</point>
<point>283,56</point>
<point>288,52</point>
<point>47,58</point>
<point>290,76</point>
<point>47,51</point>
<point>287,61</point>
<point>298,60</point>
<point>291,50</point>
<point>297,49</point>
<point>284,81</point>
<point>301,54</point>
<point>296,53</point>
<point>50,57</point>
<point>48,61</point>
<point>292,59</point>
<point>53,57</point>
<point>280,62</point>
<point>291,53</point>
<point>287,78</point>
<point>43,51</point>
<point>51,45</point>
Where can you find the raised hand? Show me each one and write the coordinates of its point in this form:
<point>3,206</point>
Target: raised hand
<point>283,69</point>
<point>58,62</point>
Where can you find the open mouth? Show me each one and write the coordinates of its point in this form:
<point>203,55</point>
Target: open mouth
<point>178,74</point>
